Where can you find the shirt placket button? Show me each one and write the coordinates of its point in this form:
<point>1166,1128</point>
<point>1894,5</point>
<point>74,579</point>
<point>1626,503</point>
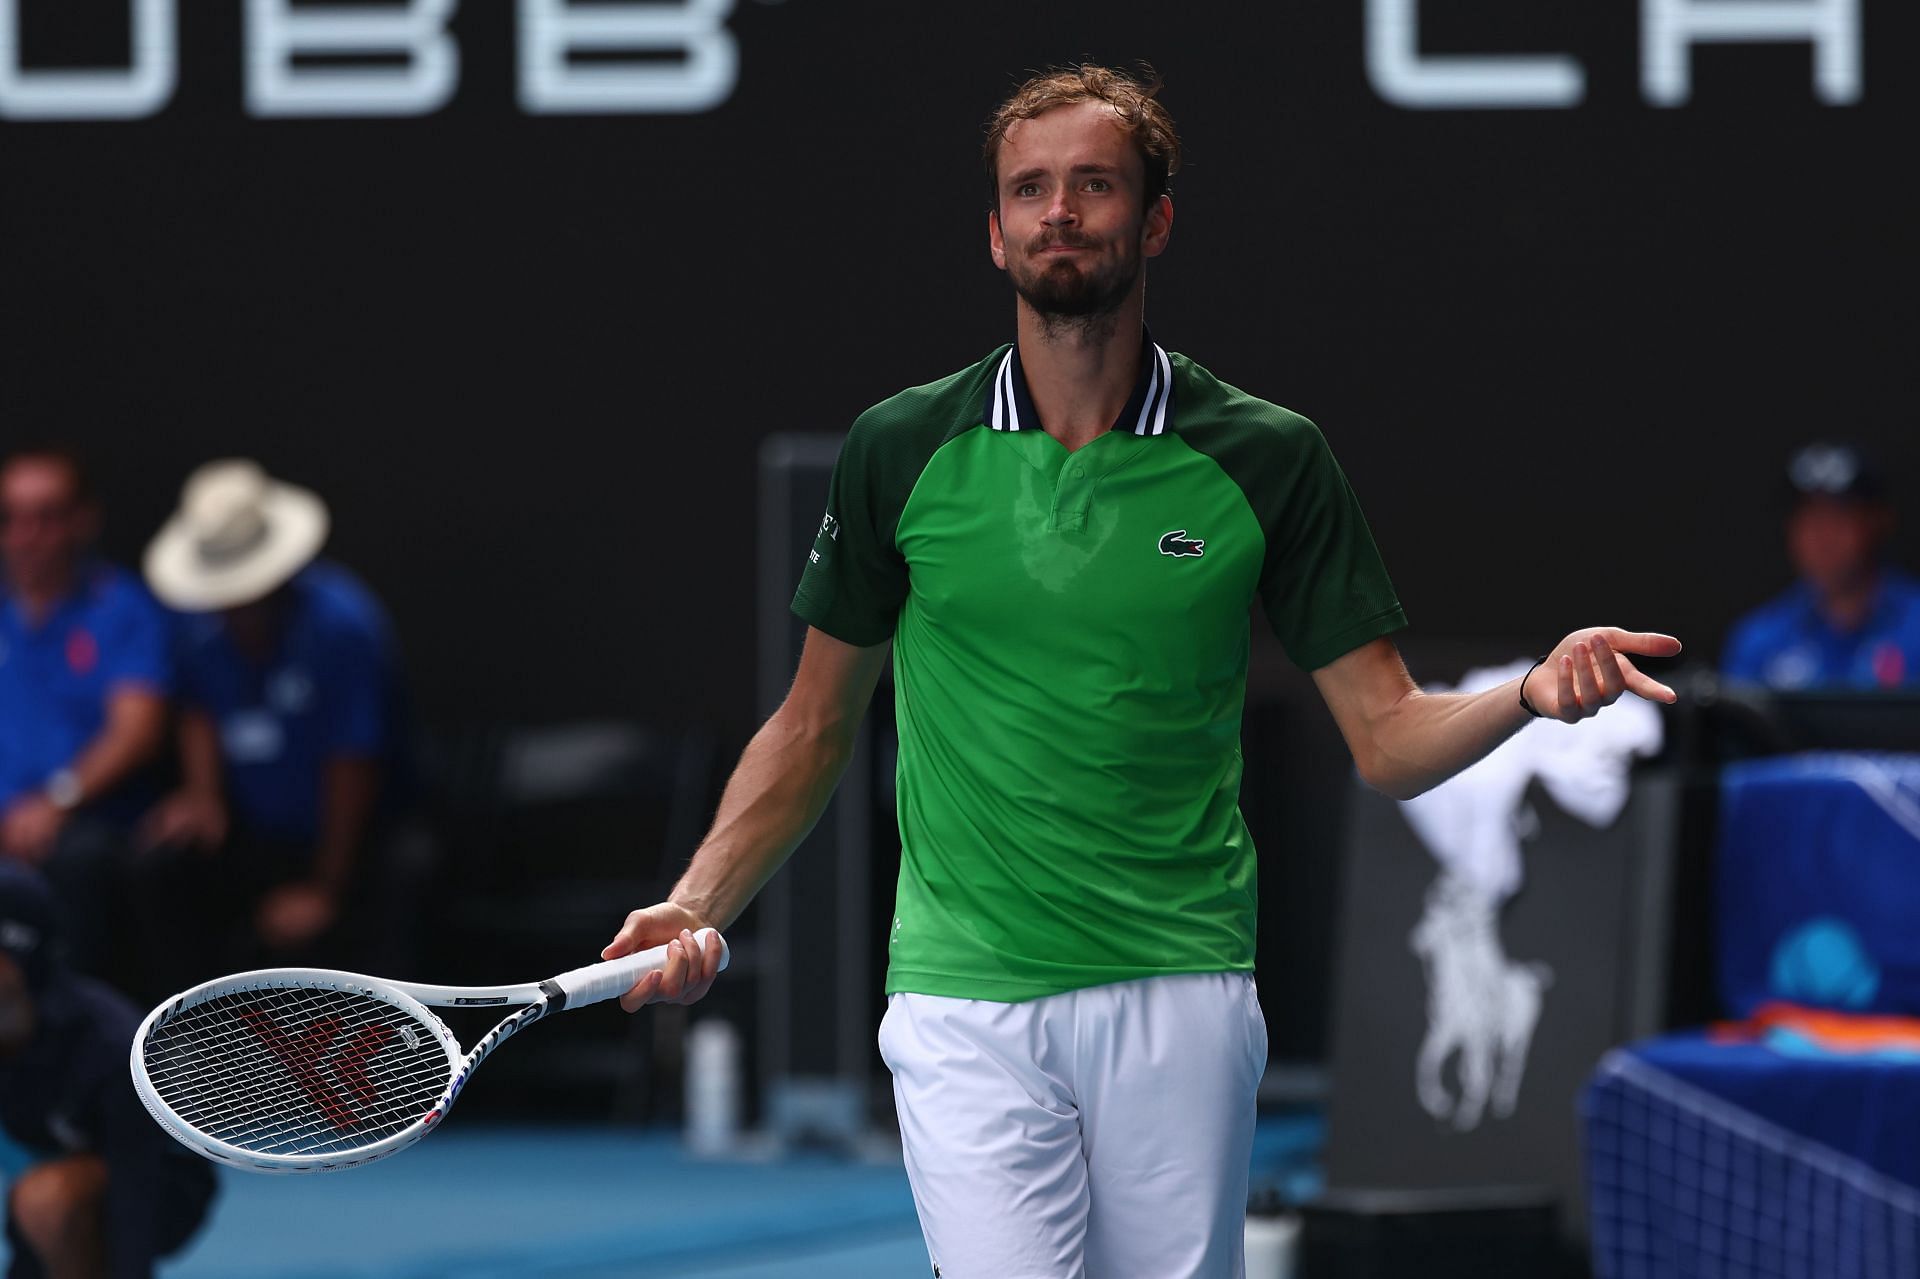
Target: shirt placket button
<point>1070,503</point>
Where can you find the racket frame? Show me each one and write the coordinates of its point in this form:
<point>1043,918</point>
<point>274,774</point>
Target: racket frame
<point>575,988</point>
<point>400,995</point>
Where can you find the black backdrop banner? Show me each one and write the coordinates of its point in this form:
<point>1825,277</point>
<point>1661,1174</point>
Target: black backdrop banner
<point>519,287</point>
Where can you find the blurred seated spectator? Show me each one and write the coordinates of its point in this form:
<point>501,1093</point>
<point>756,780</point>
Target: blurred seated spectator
<point>289,735</point>
<point>109,1192</point>
<point>1852,621</point>
<point>83,679</point>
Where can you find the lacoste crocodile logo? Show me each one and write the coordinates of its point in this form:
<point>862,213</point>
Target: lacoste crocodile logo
<point>1177,543</point>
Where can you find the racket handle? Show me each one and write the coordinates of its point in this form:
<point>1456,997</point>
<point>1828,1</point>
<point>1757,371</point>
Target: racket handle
<point>613,978</point>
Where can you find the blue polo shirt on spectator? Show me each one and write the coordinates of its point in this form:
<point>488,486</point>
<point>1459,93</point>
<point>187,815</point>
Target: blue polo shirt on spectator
<point>1788,644</point>
<point>331,691</point>
<point>56,678</point>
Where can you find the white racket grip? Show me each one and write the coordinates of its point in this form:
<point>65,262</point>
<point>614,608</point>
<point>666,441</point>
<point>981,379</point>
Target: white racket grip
<point>613,978</point>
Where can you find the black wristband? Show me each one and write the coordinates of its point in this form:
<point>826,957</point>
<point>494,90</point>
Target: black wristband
<point>1526,705</point>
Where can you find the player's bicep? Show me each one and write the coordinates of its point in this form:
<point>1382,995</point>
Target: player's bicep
<point>834,684</point>
<point>1361,687</point>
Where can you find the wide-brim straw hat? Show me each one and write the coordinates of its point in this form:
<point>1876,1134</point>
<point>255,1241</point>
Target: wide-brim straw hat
<point>238,536</point>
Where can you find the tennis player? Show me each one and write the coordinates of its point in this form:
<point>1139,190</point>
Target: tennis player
<point>1059,546</point>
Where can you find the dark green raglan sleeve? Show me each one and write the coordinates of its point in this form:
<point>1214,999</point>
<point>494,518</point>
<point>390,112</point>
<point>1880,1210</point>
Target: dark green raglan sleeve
<point>1322,582</point>
<point>855,580</point>
<point>1324,585</point>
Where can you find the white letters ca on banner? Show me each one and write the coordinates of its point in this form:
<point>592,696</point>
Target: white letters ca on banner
<point>1669,29</point>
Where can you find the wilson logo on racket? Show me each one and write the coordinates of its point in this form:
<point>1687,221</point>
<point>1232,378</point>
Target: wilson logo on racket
<point>1177,544</point>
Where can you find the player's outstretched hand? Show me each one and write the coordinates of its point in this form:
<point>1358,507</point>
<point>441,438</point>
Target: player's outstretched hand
<point>690,970</point>
<point>1589,669</point>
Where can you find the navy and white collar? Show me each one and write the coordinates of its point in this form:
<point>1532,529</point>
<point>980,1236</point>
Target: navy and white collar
<point>1009,405</point>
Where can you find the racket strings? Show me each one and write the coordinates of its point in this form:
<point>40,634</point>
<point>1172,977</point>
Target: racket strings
<point>296,1071</point>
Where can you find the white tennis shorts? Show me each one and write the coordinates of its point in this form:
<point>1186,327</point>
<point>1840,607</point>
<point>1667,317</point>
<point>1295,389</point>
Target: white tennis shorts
<point>1099,1134</point>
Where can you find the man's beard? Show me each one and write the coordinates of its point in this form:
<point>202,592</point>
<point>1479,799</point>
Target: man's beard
<point>1073,299</point>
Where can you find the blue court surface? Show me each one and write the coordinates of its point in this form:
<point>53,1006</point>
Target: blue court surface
<point>584,1203</point>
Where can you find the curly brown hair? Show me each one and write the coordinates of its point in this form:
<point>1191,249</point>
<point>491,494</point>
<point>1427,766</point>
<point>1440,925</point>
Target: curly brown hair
<point>1134,97</point>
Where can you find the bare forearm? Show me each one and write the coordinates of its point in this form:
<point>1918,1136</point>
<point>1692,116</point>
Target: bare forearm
<point>132,735</point>
<point>200,770</point>
<point>350,791</point>
<point>1424,738</point>
<point>1406,741</point>
<point>777,792</point>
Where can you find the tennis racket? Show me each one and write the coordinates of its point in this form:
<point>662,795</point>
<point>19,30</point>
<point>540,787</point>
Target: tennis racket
<point>311,1070</point>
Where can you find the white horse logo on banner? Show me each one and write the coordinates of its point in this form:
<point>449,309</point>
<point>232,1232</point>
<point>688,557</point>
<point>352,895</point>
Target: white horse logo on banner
<point>1482,1006</point>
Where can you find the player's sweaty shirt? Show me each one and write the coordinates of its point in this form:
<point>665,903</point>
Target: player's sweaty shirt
<point>1070,655</point>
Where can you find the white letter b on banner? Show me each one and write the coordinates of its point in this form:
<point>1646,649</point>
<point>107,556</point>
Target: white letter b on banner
<point>698,74</point>
<point>277,33</point>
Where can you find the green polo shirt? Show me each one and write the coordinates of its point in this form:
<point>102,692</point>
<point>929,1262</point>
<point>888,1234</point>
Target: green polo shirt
<point>1070,657</point>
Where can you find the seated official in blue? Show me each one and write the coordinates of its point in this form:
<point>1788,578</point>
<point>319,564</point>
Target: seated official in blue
<point>83,658</point>
<point>83,683</point>
<point>1793,643</point>
<point>1851,622</point>
<point>289,725</point>
<point>290,686</point>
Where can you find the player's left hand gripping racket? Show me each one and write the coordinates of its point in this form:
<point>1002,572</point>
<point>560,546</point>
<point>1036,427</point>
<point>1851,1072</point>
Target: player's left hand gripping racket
<point>311,1070</point>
